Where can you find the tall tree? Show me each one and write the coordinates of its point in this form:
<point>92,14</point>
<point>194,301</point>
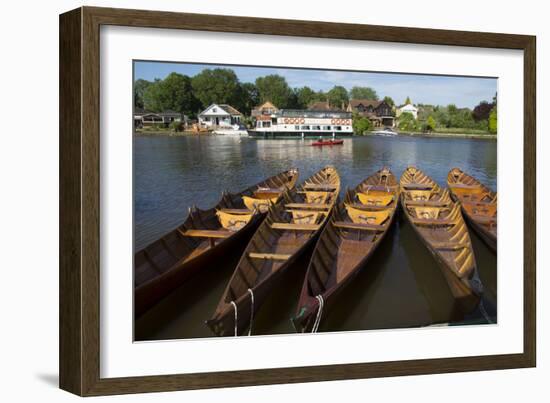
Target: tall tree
<point>305,96</point>
<point>408,101</point>
<point>363,93</point>
<point>389,101</point>
<point>274,88</point>
<point>337,97</point>
<point>174,93</point>
<point>482,111</point>
<point>215,86</point>
<point>140,86</point>
<point>247,97</point>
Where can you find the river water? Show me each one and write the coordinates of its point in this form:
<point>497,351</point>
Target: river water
<point>400,287</point>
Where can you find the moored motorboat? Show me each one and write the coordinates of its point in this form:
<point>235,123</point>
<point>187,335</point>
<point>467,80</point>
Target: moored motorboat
<point>291,226</point>
<point>438,222</point>
<point>205,235</point>
<point>354,231</point>
<point>478,202</point>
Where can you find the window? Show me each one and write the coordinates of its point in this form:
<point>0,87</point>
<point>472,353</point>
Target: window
<point>326,127</point>
<point>337,128</point>
<point>267,124</point>
<point>315,127</point>
<point>305,127</point>
<point>296,127</point>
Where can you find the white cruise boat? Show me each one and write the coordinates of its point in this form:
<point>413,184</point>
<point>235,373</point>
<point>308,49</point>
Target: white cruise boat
<point>303,123</point>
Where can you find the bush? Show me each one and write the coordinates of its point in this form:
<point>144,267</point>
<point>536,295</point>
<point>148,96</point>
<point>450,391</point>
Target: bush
<point>176,126</point>
<point>361,125</point>
<point>430,124</point>
<point>493,121</point>
<point>407,122</point>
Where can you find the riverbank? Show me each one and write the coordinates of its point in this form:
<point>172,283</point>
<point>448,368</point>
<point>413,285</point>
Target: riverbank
<point>451,135</point>
<point>172,133</point>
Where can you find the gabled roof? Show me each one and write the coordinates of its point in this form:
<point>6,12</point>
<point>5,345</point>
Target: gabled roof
<point>229,109</point>
<point>224,107</point>
<point>354,103</point>
<point>321,106</point>
<point>266,105</point>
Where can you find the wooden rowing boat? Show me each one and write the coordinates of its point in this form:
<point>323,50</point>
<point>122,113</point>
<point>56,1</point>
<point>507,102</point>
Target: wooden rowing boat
<point>438,222</point>
<point>478,202</point>
<point>327,143</point>
<point>356,228</point>
<point>205,235</point>
<point>291,226</point>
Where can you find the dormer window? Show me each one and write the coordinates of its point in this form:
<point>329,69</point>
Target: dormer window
<point>214,110</point>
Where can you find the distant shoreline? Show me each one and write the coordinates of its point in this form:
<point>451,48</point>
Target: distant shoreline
<point>402,134</point>
<point>451,135</point>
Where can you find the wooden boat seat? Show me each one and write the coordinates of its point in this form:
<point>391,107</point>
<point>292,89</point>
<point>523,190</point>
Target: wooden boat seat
<point>235,210</point>
<point>253,203</point>
<point>206,233</point>
<point>380,188</point>
<point>426,203</point>
<point>420,221</point>
<point>375,198</point>
<point>320,206</point>
<point>361,226</point>
<point>367,217</point>
<point>484,219</point>
<point>325,187</point>
<point>366,207</point>
<point>464,186</point>
<point>269,256</point>
<point>450,245</point>
<point>233,221</point>
<point>316,197</point>
<point>295,227</point>
<point>423,195</point>
<point>305,217</point>
<point>418,186</point>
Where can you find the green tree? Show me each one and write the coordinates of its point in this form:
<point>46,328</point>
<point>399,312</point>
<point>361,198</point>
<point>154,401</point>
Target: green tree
<point>274,88</point>
<point>493,121</point>
<point>337,96</point>
<point>246,98</point>
<point>361,125</point>
<point>389,101</point>
<point>218,86</point>
<point>140,86</point>
<point>407,122</point>
<point>430,123</point>
<point>408,101</point>
<point>363,93</point>
<point>174,92</point>
<point>305,96</point>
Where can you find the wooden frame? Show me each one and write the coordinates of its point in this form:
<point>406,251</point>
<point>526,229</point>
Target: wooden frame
<point>79,200</point>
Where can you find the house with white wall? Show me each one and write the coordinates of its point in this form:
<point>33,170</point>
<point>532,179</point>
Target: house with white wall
<point>219,115</point>
<point>408,108</point>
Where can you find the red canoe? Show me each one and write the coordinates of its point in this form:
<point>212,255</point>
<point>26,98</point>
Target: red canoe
<point>327,142</point>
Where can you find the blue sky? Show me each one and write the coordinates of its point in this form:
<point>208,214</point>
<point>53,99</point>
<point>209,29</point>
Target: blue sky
<point>427,89</point>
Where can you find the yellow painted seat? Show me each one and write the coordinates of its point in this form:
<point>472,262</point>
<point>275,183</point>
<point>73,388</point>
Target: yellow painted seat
<point>260,204</point>
<point>427,212</point>
<point>367,217</point>
<point>233,221</point>
<point>316,197</point>
<point>420,194</point>
<point>375,198</point>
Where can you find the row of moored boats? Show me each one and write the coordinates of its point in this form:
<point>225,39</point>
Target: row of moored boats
<point>284,219</point>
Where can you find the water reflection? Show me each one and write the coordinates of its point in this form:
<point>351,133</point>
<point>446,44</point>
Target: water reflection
<point>401,287</point>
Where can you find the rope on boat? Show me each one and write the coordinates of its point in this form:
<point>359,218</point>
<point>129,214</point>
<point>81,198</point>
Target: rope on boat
<point>319,314</point>
<point>484,313</point>
<point>235,309</point>
<point>251,310</point>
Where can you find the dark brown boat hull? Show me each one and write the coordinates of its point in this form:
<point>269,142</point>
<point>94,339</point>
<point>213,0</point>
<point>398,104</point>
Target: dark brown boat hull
<point>486,236</point>
<point>462,293</point>
<point>224,324</point>
<point>150,293</point>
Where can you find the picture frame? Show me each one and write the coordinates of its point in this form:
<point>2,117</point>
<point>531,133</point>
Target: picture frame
<point>80,200</point>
